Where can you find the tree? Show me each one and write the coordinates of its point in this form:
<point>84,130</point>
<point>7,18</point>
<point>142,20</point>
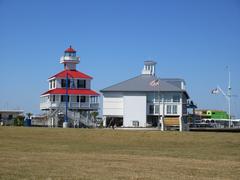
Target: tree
<point>94,114</point>
<point>18,121</point>
<point>29,115</point>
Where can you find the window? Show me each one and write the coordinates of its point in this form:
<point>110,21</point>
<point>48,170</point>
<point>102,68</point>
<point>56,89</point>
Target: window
<point>83,99</point>
<point>53,98</point>
<point>151,109</point>
<point>158,98</point>
<point>176,98</point>
<point>161,98</point>
<point>63,83</point>
<point>54,84</point>
<point>94,99</point>
<point>44,99</point>
<point>50,82</point>
<point>154,97</point>
<point>0,116</point>
<point>135,123</point>
<point>10,116</point>
<point>167,98</point>
<point>150,97</point>
<point>77,98</point>
<point>169,109</point>
<point>72,83</point>
<point>156,108</point>
<point>174,109</point>
<point>63,98</point>
<point>73,98</point>
<point>70,54</point>
<point>69,83</point>
<point>81,83</point>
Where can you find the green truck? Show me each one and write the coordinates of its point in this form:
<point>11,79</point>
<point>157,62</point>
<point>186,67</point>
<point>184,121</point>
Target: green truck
<point>217,114</point>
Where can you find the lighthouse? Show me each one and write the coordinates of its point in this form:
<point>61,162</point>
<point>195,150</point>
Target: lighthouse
<point>69,101</point>
<point>69,59</point>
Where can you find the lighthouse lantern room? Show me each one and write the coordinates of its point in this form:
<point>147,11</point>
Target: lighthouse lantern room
<point>70,100</point>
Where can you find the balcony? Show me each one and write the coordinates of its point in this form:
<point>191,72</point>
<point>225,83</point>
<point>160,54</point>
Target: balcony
<point>69,59</point>
<point>71,105</point>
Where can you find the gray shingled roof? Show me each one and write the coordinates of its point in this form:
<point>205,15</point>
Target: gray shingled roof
<point>174,81</point>
<point>142,82</point>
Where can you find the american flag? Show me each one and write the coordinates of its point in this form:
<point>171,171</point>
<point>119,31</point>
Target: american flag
<point>154,83</point>
<point>215,91</point>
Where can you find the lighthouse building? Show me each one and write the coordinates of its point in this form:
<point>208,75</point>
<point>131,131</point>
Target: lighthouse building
<point>70,99</point>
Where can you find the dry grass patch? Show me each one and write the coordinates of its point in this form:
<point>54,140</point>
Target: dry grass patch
<point>41,153</point>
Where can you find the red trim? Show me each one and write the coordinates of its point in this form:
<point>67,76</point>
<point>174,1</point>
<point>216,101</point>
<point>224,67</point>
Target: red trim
<point>70,50</point>
<point>72,92</point>
<point>71,74</point>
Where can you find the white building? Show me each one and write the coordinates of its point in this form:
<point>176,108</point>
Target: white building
<point>69,98</point>
<point>7,116</point>
<point>146,101</point>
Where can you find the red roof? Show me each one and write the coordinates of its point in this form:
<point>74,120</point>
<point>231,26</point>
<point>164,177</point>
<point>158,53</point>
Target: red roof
<point>71,74</point>
<point>72,91</point>
<point>70,50</point>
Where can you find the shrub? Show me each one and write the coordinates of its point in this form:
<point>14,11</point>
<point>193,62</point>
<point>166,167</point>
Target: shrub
<point>18,121</point>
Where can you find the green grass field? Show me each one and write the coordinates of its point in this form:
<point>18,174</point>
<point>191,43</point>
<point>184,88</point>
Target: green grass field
<point>44,153</point>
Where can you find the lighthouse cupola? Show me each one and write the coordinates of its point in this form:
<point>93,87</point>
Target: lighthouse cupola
<point>149,67</point>
<point>69,59</point>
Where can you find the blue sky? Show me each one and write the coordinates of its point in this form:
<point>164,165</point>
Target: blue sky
<point>190,39</point>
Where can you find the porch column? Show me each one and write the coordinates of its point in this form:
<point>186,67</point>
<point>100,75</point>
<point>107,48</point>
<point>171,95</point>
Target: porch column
<point>180,124</point>
<point>162,124</point>
<point>52,122</point>
<point>104,121</point>
<point>163,116</point>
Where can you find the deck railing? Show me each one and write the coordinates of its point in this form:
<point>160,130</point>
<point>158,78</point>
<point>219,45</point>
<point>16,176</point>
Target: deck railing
<point>71,105</point>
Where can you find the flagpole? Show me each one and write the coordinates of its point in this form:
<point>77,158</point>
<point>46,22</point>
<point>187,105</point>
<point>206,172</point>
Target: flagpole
<point>158,104</point>
<point>66,117</point>
<point>229,96</point>
<point>65,124</point>
<point>154,83</point>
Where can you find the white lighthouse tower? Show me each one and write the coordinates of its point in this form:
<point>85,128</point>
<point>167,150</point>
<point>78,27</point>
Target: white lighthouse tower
<point>69,100</point>
<point>70,60</point>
